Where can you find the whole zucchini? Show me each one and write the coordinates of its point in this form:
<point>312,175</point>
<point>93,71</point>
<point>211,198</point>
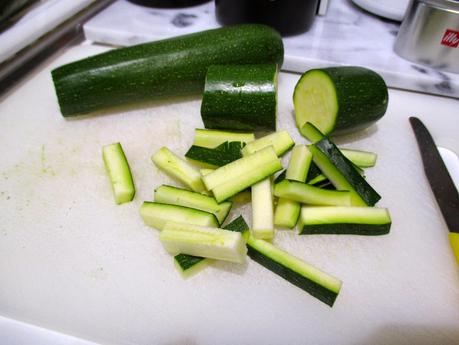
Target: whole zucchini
<point>167,68</point>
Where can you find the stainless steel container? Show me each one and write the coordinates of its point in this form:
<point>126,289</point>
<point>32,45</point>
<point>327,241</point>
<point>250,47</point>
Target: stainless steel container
<point>429,34</point>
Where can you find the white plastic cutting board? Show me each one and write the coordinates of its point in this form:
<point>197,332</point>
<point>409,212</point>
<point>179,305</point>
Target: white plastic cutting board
<point>73,261</point>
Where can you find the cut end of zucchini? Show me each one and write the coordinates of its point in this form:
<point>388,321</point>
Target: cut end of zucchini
<point>287,213</point>
<point>315,101</point>
<point>262,210</point>
<point>119,173</point>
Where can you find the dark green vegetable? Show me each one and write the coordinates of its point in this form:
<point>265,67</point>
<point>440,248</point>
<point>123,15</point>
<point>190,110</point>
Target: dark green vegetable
<point>186,262</point>
<point>237,224</point>
<point>240,97</point>
<point>167,68</point>
<point>308,278</point>
<point>340,99</point>
<point>280,177</point>
<point>342,173</point>
<point>313,172</point>
<point>217,157</point>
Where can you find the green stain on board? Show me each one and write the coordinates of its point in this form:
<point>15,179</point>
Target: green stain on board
<point>45,168</point>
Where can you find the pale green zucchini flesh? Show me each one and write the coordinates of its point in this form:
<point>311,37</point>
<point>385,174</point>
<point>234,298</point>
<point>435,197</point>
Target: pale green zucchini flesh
<point>213,243</point>
<point>281,141</point>
<point>189,265</point>
<point>118,170</point>
<point>178,196</point>
<point>367,221</point>
<point>178,168</point>
<point>307,194</point>
<point>262,210</point>
<point>211,138</point>
<point>156,215</point>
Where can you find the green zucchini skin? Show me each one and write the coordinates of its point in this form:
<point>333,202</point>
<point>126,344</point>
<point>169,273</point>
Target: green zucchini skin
<point>346,229</point>
<point>327,153</point>
<point>360,96</point>
<point>313,172</point>
<point>217,157</point>
<point>318,291</point>
<point>186,261</point>
<point>281,177</point>
<point>238,224</point>
<point>240,97</point>
<point>162,69</point>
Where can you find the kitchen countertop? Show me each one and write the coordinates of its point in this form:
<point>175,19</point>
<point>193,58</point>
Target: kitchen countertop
<point>346,35</point>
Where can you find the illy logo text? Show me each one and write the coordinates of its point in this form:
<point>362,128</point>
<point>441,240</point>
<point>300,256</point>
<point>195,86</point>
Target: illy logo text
<point>450,38</point>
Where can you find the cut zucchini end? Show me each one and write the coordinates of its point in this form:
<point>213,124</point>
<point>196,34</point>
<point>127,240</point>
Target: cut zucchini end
<point>124,195</point>
<point>287,213</point>
<point>454,241</point>
<point>315,101</point>
<point>263,234</point>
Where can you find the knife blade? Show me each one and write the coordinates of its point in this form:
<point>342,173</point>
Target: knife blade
<point>440,181</point>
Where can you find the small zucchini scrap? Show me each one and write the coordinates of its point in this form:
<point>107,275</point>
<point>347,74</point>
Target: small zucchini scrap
<point>118,171</point>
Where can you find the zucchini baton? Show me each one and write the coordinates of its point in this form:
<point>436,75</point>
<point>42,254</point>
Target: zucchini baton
<point>340,100</point>
<point>240,97</point>
<point>161,69</point>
